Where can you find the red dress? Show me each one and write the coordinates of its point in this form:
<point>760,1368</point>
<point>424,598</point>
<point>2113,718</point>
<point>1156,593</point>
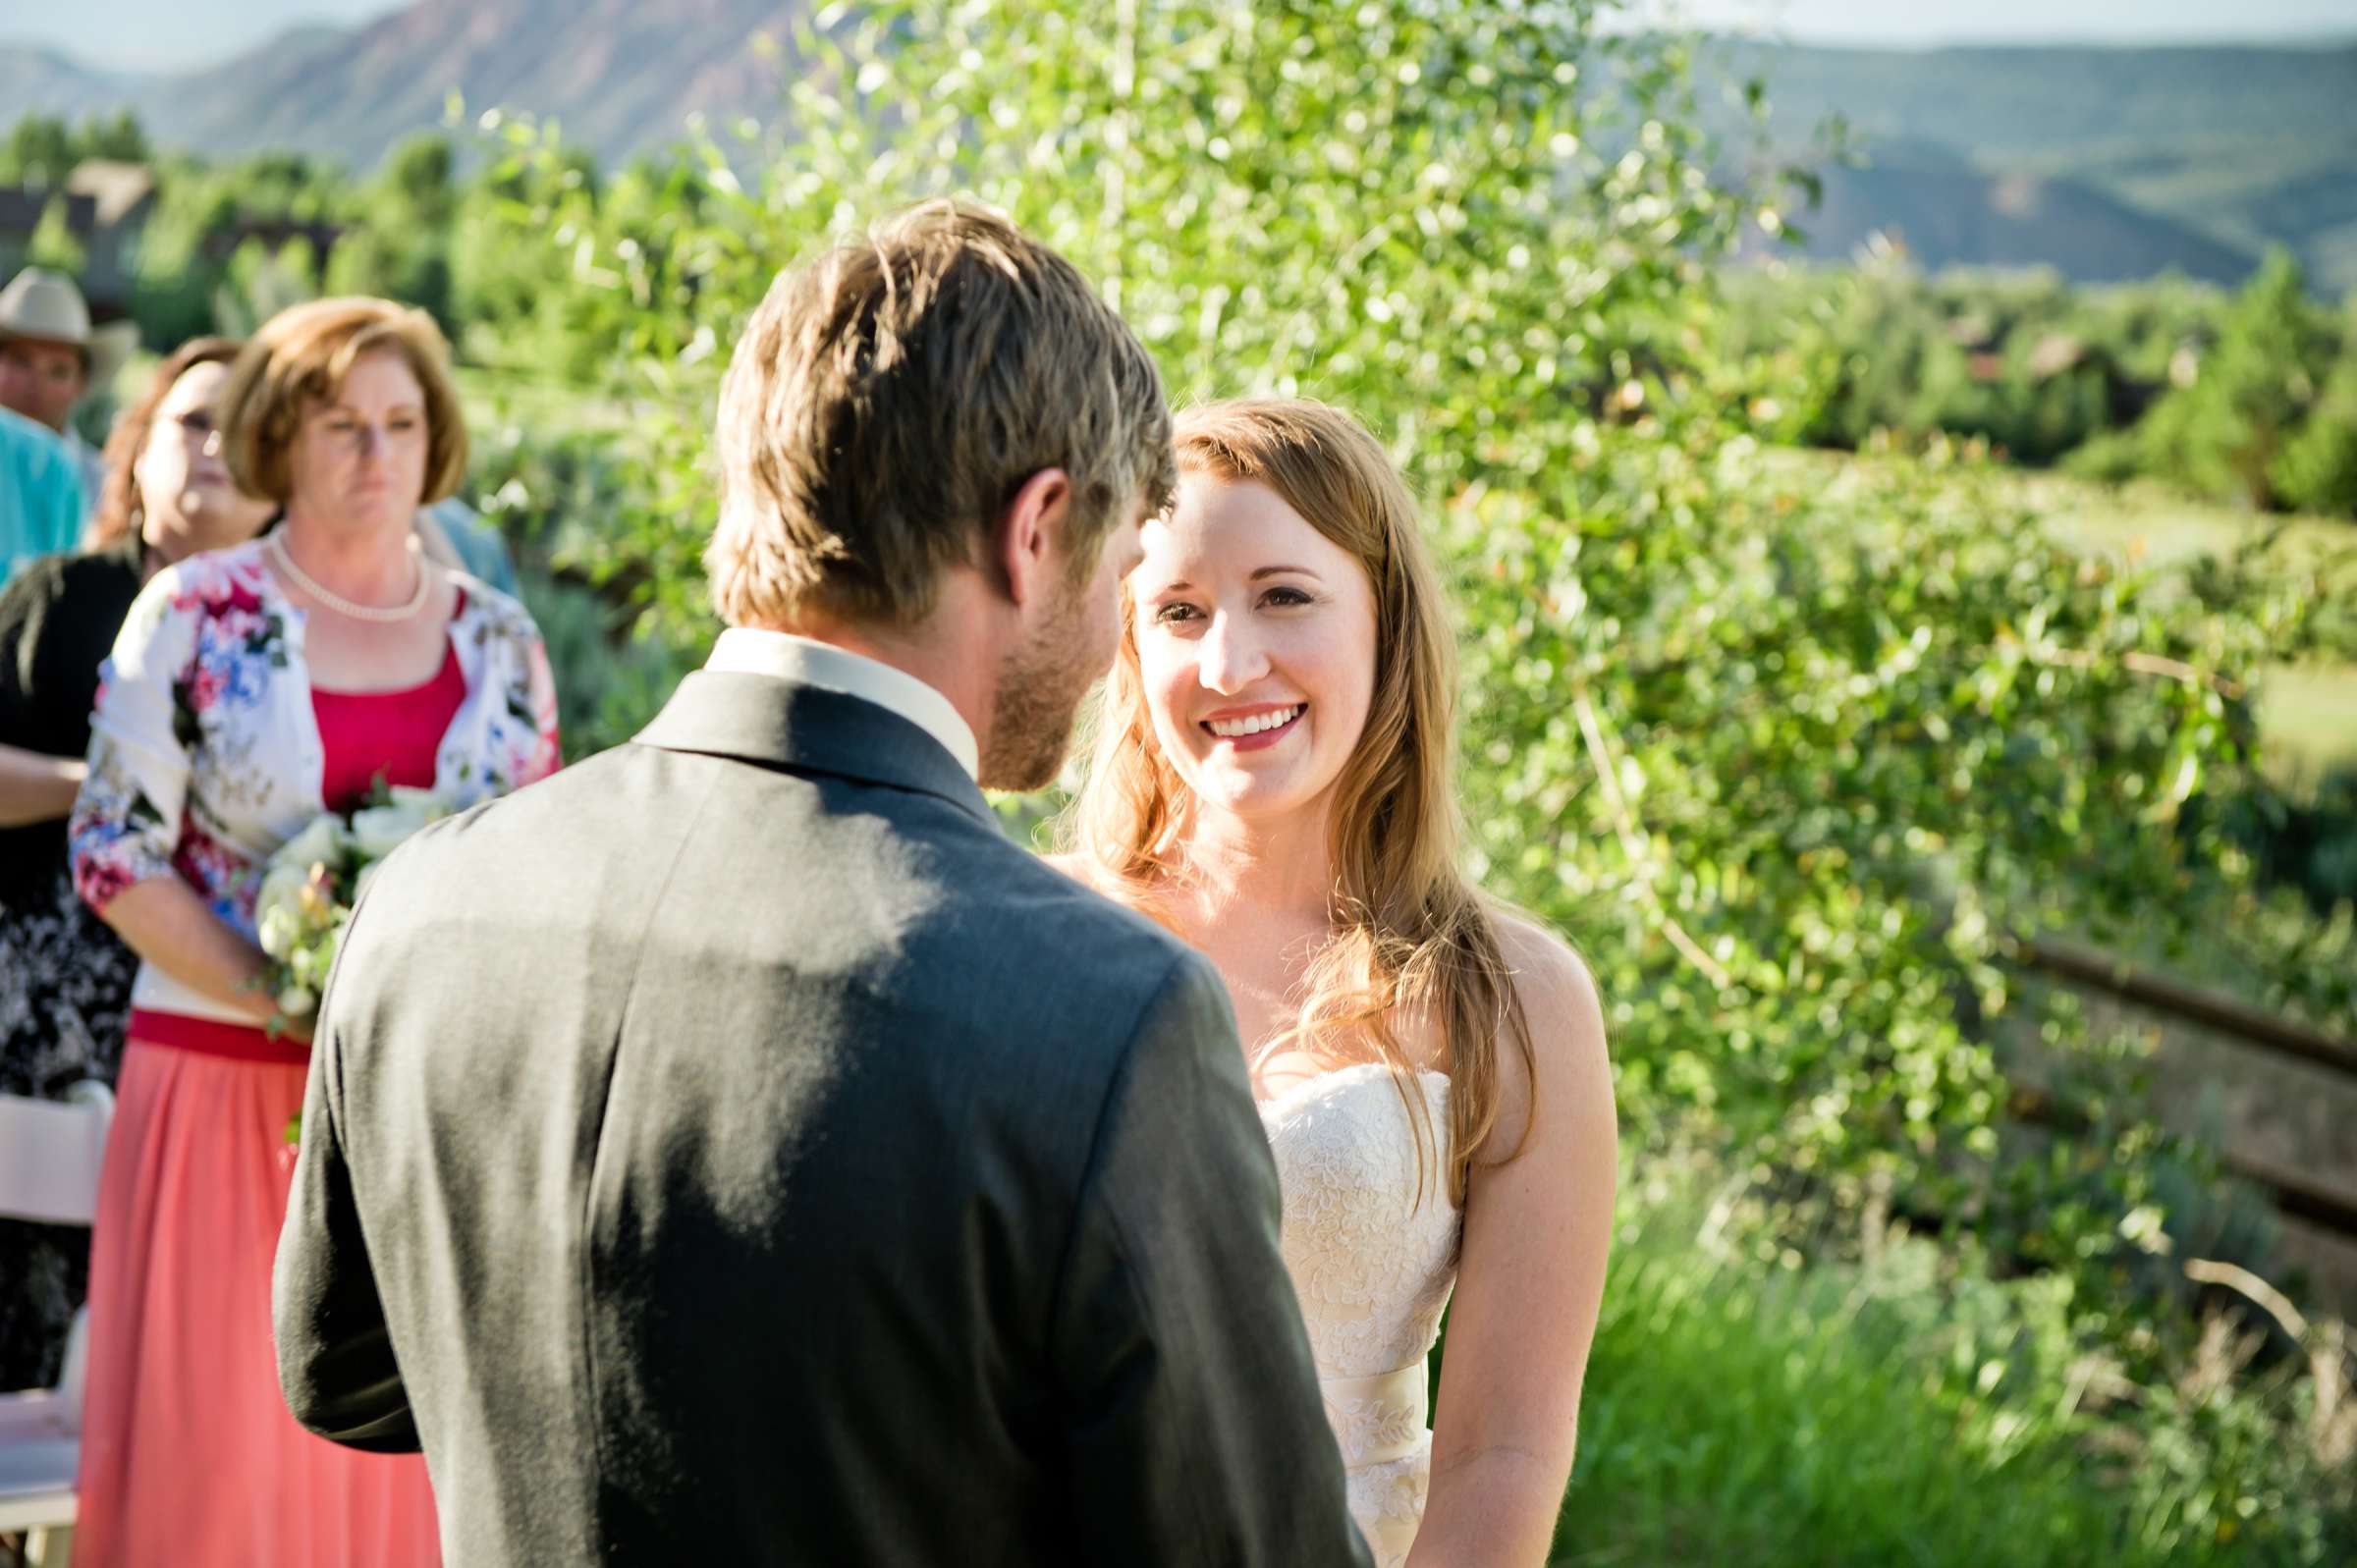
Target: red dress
<point>189,1455</point>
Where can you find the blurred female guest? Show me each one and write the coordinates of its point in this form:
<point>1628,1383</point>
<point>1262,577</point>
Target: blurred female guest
<point>250,690</point>
<point>65,979</point>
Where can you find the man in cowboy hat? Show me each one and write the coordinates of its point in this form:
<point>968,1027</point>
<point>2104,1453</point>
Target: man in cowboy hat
<point>50,358</point>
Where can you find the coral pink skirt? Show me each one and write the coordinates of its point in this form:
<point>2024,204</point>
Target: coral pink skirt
<point>188,1456</point>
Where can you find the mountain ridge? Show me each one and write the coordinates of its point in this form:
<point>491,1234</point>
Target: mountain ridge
<point>2105,162</point>
<point>636,72</point>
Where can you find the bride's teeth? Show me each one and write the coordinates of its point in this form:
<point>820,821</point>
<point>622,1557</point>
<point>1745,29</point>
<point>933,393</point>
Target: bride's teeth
<point>1237,729</point>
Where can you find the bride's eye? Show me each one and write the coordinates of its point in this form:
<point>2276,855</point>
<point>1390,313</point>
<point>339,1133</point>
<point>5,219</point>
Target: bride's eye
<point>1285,598</point>
<point>1172,614</point>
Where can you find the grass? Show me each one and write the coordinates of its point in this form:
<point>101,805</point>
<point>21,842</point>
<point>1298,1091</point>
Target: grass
<point>2152,522</point>
<point>1752,1413</point>
<point>2308,719</point>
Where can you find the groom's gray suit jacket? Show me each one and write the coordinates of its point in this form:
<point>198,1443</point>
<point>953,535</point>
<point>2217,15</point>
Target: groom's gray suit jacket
<point>733,1150</point>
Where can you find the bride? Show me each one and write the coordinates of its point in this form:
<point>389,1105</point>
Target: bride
<point>1272,781</point>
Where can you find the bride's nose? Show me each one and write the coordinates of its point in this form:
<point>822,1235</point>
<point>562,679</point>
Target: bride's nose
<point>1229,658</point>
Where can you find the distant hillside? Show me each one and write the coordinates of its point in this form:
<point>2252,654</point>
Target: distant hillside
<point>2104,163</point>
<point>44,82</point>
<point>1965,218</point>
<point>621,73</point>
<point>2231,149</point>
<point>2016,102</point>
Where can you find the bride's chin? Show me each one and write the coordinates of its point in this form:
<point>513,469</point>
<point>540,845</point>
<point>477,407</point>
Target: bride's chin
<point>1252,801</point>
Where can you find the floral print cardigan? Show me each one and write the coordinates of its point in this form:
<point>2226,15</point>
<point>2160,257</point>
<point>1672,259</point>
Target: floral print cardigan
<point>205,754</point>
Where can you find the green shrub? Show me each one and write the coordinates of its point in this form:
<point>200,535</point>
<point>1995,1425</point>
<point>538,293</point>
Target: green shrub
<point>1722,714</point>
<point>1890,1403</point>
<point>2317,468</point>
<point>1797,754</point>
<point>2227,434</point>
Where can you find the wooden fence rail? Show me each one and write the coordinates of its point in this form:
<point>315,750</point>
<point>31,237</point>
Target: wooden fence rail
<point>2089,966</point>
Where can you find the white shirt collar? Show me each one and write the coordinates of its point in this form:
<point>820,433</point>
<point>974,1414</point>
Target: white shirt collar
<point>751,650</point>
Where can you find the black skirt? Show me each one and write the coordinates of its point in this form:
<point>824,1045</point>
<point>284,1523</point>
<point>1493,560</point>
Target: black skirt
<point>65,978</point>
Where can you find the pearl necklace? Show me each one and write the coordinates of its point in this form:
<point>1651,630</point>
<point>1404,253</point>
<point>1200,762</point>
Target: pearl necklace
<point>381,614</point>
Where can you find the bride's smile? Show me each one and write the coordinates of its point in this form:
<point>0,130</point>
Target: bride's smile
<point>1255,729</point>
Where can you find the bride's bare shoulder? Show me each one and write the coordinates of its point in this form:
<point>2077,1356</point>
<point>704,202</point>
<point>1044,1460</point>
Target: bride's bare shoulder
<point>1549,976</point>
<point>1077,865</point>
<point>1564,1019</point>
<point>1086,872</point>
<point>1073,864</point>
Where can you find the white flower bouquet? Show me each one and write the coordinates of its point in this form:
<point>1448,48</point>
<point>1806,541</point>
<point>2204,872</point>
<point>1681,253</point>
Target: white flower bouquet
<point>310,885</point>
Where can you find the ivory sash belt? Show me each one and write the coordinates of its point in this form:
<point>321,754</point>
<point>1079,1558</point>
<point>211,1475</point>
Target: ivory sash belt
<point>1378,1419</point>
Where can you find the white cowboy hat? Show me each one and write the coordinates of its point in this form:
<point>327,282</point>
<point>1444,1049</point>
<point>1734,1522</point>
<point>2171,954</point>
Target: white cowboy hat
<point>45,307</point>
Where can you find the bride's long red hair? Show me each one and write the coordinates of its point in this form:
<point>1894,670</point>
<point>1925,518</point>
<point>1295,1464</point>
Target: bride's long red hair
<point>1413,938</point>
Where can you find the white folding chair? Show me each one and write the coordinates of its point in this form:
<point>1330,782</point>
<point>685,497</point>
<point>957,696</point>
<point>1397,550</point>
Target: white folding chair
<point>50,1154</point>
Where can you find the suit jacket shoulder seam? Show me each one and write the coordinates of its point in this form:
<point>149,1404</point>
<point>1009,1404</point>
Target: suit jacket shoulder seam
<point>586,1281</point>
<point>1115,1083</point>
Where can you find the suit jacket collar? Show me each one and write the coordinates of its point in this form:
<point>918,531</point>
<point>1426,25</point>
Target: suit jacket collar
<point>806,729</point>
<point>807,662</point>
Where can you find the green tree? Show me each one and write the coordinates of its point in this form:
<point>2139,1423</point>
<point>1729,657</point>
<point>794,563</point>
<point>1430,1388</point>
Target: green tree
<point>2226,433</point>
<point>120,137</point>
<point>54,243</point>
<point>1724,710</point>
<point>406,213</point>
<point>2316,471</point>
<point>41,150</point>
<point>1799,754</point>
<point>417,180</point>
<point>520,299</point>
<point>260,282</point>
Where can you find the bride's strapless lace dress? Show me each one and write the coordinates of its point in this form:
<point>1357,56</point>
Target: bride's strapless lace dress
<point>1374,1262</point>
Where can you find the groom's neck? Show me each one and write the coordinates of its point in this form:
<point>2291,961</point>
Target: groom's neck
<point>948,652</point>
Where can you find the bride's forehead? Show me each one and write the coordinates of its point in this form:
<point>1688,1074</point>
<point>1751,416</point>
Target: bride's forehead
<point>1223,520</point>
<point>1209,497</point>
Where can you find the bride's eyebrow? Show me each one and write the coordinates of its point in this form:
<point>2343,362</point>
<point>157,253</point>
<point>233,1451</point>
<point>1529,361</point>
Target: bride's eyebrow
<point>1182,585</point>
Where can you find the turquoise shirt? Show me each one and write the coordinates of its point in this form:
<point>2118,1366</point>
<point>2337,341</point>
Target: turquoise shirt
<point>478,544</point>
<point>40,494</point>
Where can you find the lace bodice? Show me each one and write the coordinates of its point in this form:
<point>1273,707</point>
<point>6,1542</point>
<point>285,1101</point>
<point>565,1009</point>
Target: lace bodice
<point>1373,1255</point>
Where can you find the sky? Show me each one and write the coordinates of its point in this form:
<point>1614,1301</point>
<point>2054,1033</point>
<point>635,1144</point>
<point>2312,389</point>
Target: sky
<point>168,34</point>
<point>1919,23</point>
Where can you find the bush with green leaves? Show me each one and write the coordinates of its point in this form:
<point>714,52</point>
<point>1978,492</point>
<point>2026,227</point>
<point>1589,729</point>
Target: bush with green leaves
<point>1724,720</point>
<point>2317,469</point>
<point>42,150</point>
<point>550,496</point>
<point>2246,397</point>
<point>1794,755</point>
<point>2229,433</point>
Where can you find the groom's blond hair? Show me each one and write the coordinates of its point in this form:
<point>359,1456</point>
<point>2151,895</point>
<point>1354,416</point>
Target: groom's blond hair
<point>891,397</point>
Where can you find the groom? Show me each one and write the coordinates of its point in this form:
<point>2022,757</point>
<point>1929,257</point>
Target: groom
<point>733,1150</point>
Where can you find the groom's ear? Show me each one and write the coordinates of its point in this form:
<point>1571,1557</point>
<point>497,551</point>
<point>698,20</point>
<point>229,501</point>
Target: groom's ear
<point>1030,537</point>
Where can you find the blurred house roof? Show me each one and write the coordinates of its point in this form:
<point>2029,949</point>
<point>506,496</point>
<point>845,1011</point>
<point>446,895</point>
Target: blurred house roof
<point>116,188</point>
<point>22,208</point>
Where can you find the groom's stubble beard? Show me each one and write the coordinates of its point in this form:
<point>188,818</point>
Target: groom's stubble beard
<point>1039,698</point>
